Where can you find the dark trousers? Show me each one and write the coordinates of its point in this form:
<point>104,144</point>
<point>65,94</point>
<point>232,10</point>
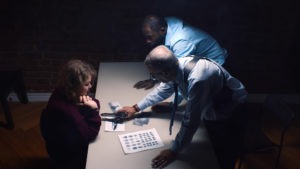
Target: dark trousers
<point>226,138</point>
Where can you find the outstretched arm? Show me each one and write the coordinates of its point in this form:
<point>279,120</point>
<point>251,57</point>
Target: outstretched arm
<point>145,84</point>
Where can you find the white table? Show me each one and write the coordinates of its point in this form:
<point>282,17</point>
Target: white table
<point>115,83</point>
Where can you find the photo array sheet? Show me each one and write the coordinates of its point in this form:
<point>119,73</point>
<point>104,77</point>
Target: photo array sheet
<point>140,141</point>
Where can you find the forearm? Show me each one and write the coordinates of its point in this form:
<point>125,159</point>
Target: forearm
<point>183,138</point>
<point>89,126</point>
<point>160,93</point>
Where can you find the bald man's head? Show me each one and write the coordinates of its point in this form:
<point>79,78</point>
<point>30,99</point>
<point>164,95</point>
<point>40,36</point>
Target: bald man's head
<point>162,64</point>
<point>161,58</point>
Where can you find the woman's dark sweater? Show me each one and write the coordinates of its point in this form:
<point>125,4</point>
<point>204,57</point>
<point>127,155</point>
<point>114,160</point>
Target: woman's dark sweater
<point>68,129</point>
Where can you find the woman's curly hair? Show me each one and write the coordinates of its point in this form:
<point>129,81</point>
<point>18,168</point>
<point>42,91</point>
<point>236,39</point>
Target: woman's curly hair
<point>72,77</point>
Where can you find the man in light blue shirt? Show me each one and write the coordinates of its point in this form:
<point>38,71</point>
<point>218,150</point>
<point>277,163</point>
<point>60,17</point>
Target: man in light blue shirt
<point>182,39</point>
<point>202,87</point>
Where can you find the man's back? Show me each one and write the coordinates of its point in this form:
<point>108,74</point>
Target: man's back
<point>184,40</point>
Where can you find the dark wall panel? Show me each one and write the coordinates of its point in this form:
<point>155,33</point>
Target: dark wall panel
<point>37,36</point>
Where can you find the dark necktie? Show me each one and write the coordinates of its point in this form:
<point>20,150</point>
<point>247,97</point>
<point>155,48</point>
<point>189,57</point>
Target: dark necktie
<point>174,107</point>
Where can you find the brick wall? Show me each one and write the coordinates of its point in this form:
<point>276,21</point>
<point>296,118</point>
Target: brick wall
<point>37,36</point>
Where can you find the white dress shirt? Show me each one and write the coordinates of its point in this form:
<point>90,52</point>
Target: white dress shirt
<point>204,82</point>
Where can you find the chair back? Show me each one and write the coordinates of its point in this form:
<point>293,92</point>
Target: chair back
<point>274,112</point>
<point>281,109</point>
<point>285,115</point>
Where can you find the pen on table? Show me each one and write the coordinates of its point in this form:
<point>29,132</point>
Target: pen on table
<point>114,125</point>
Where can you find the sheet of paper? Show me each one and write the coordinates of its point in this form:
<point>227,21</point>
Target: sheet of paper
<point>140,141</point>
<point>109,126</point>
<point>114,106</point>
<point>141,121</point>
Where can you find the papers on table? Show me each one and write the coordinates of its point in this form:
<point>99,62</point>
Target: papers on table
<point>140,141</point>
<point>109,126</point>
<point>114,106</point>
<point>141,121</point>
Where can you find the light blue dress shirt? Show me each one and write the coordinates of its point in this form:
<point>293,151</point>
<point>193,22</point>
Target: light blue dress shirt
<point>203,83</point>
<point>184,40</point>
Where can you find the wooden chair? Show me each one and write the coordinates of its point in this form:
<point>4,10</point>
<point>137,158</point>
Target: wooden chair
<point>276,117</point>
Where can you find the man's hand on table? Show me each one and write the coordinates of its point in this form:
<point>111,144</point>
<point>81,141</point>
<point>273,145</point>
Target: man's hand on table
<point>145,84</point>
<point>163,159</point>
<point>129,110</point>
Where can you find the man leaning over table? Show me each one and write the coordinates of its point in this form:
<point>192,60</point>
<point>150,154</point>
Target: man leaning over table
<point>202,88</point>
<point>183,40</point>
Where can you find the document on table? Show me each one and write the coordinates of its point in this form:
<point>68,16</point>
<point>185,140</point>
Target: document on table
<point>109,126</point>
<point>140,141</point>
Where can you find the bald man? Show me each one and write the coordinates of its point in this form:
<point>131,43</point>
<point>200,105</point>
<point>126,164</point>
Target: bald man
<point>202,83</point>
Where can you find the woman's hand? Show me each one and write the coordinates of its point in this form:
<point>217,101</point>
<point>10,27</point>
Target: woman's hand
<point>88,101</point>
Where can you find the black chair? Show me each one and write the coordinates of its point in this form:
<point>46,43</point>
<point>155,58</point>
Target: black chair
<point>11,80</point>
<point>274,115</point>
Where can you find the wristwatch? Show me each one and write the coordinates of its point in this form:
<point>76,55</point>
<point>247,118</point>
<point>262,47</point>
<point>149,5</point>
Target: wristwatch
<point>136,108</point>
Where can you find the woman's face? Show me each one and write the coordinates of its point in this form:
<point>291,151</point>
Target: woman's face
<point>87,85</point>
